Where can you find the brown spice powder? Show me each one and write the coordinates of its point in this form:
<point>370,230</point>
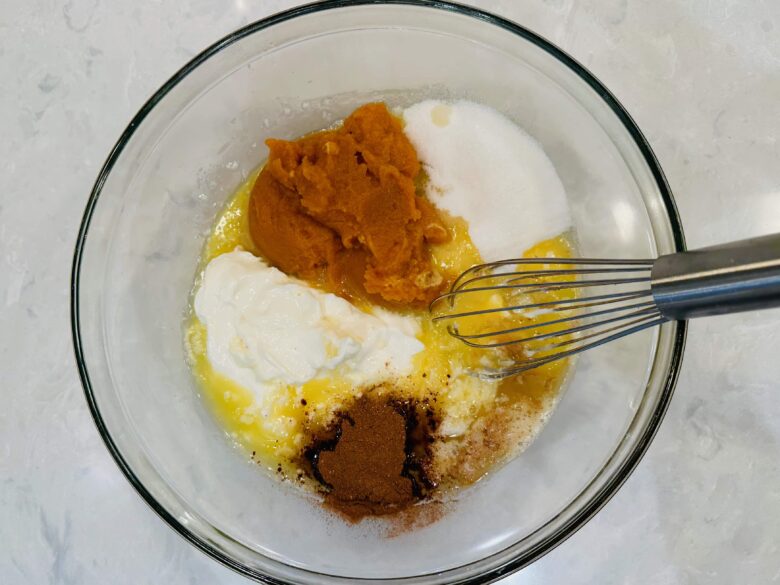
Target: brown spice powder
<point>375,460</point>
<point>364,471</point>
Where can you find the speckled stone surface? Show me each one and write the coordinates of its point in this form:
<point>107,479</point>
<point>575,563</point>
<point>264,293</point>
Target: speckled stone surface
<point>702,80</point>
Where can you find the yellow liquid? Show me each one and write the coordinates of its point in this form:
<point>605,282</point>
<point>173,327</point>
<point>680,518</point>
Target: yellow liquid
<point>273,433</point>
<point>446,353</point>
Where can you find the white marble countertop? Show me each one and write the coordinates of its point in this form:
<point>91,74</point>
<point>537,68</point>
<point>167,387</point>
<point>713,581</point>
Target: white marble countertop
<point>702,80</point>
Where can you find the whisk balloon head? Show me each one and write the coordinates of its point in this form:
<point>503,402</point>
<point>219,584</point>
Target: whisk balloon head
<point>533,311</point>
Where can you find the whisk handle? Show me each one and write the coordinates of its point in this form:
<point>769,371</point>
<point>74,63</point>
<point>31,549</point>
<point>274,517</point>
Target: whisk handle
<point>741,276</point>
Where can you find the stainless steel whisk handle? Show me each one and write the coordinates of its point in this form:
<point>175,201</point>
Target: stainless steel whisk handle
<point>741,276</point>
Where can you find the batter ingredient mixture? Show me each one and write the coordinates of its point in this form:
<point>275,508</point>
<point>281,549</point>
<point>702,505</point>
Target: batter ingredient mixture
<point>310,336</point>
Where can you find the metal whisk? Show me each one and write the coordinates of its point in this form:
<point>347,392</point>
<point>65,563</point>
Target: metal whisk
<point>538,310</point>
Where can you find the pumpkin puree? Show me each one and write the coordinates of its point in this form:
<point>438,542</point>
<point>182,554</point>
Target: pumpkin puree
<point>340,207</point>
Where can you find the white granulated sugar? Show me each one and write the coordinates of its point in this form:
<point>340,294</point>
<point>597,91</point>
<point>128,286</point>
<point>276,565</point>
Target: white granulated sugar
<point>485,169</point>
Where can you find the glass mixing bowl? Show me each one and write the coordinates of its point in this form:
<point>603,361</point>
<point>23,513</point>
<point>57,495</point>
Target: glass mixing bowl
<point>197,139</point>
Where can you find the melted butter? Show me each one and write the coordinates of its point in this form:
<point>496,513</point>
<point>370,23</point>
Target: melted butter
<point>232,226</point>
<point>272,431</point>
<point>539,384</point>
<point>236,410</point>
<point>446,355</point>
<point>458,254</point>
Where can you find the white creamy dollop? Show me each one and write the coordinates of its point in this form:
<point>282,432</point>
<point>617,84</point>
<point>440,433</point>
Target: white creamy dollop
<point>265,328</point>
<point>485,169</point>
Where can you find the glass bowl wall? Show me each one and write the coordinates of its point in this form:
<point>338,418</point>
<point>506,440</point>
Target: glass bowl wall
<point>197,139</point>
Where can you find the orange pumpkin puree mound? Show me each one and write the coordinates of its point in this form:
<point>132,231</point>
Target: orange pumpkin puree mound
<point>340,206</point>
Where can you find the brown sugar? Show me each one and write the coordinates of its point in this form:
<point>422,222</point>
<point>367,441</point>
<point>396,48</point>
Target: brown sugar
<point>340,207</point>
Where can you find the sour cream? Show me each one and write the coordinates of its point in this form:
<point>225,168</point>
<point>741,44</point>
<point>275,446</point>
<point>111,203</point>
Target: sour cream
<point>265,328</point>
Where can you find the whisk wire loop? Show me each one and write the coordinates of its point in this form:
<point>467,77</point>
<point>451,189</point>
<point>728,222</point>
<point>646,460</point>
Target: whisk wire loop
<point>539,310</point>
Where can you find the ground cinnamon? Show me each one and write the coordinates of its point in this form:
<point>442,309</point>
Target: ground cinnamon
<point>364,471</point>
<point>373,463</point>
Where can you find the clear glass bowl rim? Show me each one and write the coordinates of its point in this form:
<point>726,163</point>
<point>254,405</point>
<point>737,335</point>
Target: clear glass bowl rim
<point>523,558</point>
